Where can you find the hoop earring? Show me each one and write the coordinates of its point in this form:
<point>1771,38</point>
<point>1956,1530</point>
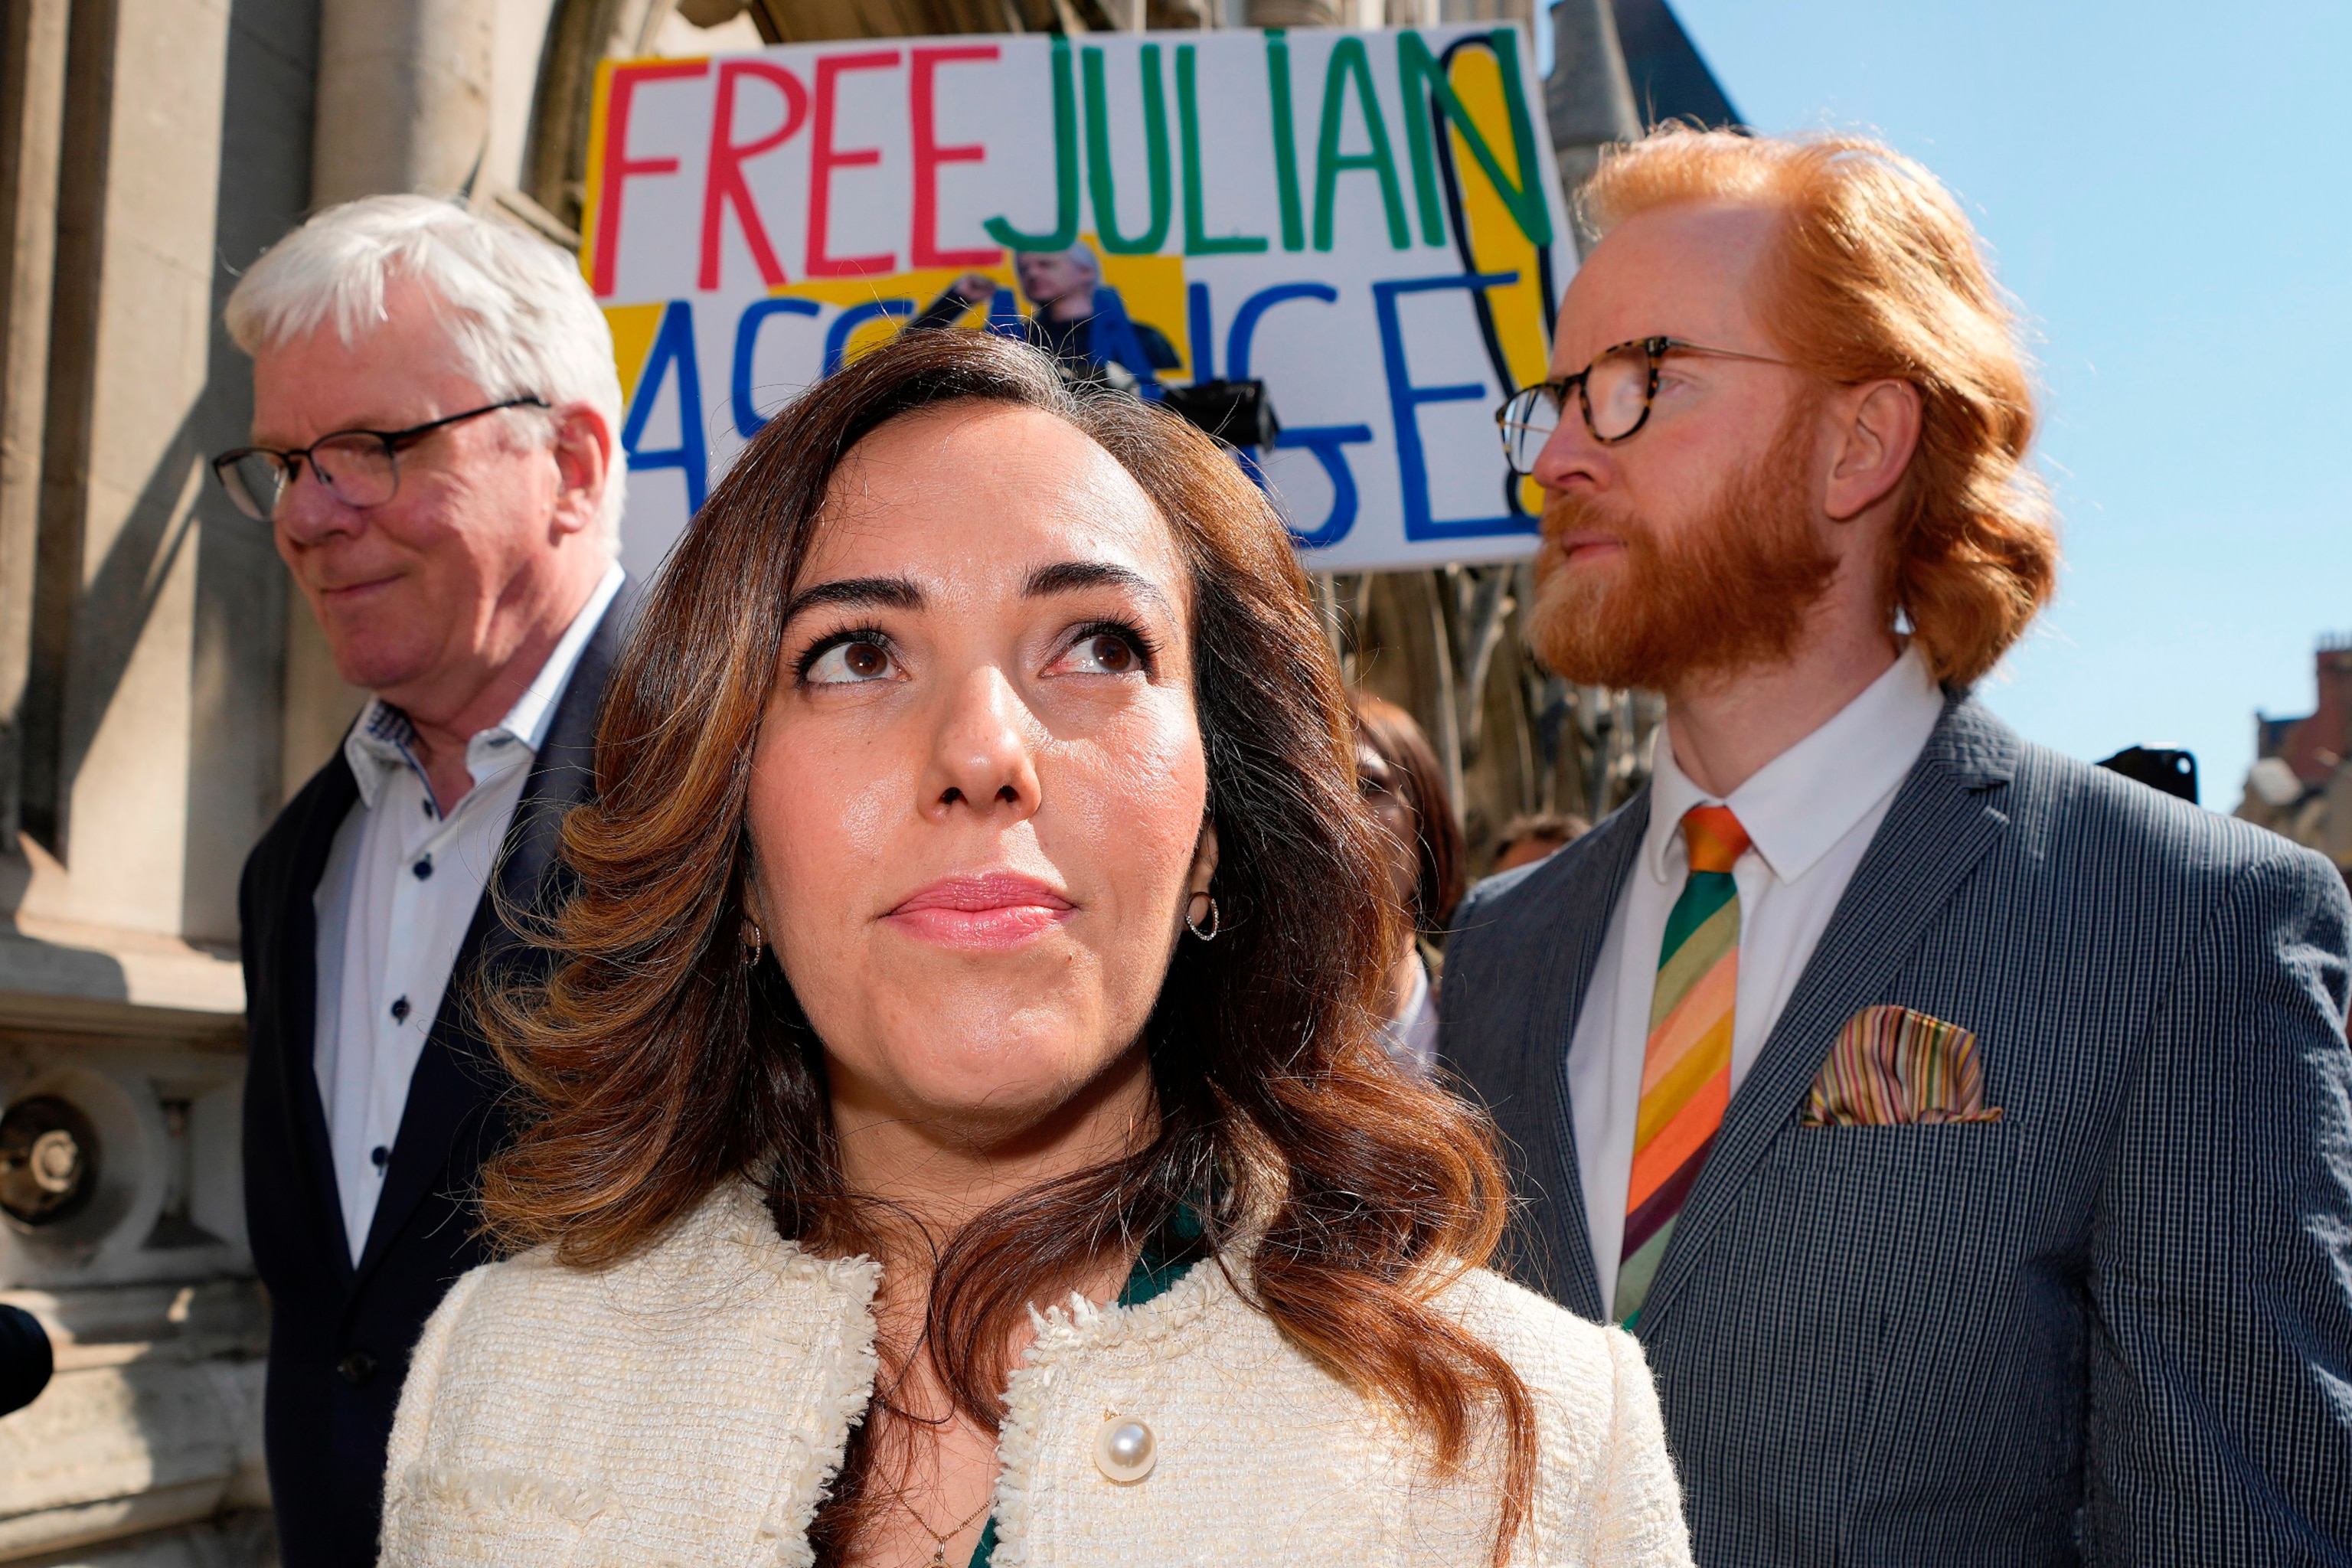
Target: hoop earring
<point>755,942</point>
<point>1192,922</point>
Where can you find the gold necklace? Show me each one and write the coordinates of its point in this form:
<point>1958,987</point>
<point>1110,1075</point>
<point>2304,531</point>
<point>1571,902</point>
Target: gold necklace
<point>940,1551</point>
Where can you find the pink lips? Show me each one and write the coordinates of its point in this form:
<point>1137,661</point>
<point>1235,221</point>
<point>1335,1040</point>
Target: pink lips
<point>1585,544</point>
<point>991,912</point>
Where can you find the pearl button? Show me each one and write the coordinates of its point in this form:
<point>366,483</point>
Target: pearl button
<point>1124,1450</point>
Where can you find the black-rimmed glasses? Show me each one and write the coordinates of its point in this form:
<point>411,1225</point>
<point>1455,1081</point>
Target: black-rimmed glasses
<point>359,467</point>
<point>1615,392</point>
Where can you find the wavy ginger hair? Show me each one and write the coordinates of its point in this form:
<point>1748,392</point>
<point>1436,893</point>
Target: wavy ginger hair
<point>655,1063</point>
<point>1880,277</point>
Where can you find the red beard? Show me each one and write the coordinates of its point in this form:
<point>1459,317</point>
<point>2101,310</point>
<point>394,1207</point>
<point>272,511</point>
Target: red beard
<point>1732,591</point>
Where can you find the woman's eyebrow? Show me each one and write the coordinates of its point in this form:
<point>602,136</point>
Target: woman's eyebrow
<point>863,593</point>
<point>1070,576</point>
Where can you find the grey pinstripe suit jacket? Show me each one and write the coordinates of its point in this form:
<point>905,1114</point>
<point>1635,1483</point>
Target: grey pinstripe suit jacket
<point>2117,1326</point>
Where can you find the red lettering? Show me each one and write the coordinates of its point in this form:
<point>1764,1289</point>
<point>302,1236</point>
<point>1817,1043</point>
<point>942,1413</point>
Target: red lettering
<point>619,166</point>
<point>930,155</point>
<point>825,158</point>
<point>722,184</point>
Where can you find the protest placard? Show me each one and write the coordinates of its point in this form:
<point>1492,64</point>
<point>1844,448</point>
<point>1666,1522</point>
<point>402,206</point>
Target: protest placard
<point>1370,222</point>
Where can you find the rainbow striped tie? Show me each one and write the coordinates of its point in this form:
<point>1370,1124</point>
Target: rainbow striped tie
<point>1686,1066</point>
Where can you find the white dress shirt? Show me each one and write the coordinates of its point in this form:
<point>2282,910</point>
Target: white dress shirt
<point>399,891</point>
<point>1809,813</point>
<point>1410,1037</point>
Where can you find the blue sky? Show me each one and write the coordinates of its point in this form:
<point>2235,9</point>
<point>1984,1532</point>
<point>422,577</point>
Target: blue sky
<point>2166,191</point>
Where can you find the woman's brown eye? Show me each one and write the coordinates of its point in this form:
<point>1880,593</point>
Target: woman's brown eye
<point>1112,654</point>
<point>850,664</point>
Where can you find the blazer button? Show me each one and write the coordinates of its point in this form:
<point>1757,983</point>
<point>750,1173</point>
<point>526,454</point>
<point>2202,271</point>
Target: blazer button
<point>356,1368</point>
<point>1125,1450</point>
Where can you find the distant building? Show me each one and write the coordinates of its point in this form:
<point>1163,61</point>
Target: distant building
<point>2299,784</point>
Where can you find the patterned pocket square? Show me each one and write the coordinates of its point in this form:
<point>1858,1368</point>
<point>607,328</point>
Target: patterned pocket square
<point>1892,1067</point>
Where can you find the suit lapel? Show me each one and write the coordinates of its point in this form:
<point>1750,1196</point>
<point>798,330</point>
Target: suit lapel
<point>1609,868</point>
<point>1531,1093</point>
<point>1946,816</point>
<point>327,804</point>
<point>457,1076</point>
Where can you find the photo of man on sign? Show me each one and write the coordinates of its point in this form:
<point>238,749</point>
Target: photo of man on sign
<point>1078,318</point>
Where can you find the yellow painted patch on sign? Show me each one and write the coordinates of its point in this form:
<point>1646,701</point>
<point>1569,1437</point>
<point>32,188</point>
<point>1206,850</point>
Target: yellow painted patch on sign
<point>1152,289</point>
<point>919,287</point>
<point>635,327</point>
<point>1497,243</point>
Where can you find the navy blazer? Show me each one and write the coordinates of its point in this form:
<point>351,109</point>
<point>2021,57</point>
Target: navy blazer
<point>2114,1327</point>
<point>340,1336</point>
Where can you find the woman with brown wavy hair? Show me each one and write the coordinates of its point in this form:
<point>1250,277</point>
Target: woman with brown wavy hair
<point>956,1129</point>
<point>1402,782</point>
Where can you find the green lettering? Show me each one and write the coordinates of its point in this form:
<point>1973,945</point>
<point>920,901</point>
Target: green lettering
<point>1347,61</point>
<point>1065,169</point>
<point>1285,139</point>
<point>1421,74</point>
<point>1155,150</point>
<point>1188,122</point>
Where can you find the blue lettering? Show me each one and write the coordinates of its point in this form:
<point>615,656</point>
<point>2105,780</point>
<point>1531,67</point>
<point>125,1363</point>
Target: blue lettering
<point>836,337</point>
<point>1405,400</point>
<point>1329,443</point>
<point>1201,328</point>
<point>747,420</point>
<point>673,350</point>
<point>1246,319</point>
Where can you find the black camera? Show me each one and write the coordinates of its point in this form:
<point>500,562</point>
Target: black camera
<point>2168,768</point>
<point>1237,413</point>
<point>25,1360</point>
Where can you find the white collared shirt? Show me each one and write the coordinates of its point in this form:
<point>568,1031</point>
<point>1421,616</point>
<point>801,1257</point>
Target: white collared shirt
<point>400,889</point>
<point>1809,815</point>
<point>1410,1037</point>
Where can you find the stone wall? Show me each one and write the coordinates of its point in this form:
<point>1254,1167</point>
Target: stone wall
<point>149,150</point>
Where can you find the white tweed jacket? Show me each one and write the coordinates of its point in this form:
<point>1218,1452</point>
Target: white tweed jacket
<point>689,1405</point>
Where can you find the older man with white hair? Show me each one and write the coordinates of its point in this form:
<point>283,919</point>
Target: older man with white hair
<point>435,419</point>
